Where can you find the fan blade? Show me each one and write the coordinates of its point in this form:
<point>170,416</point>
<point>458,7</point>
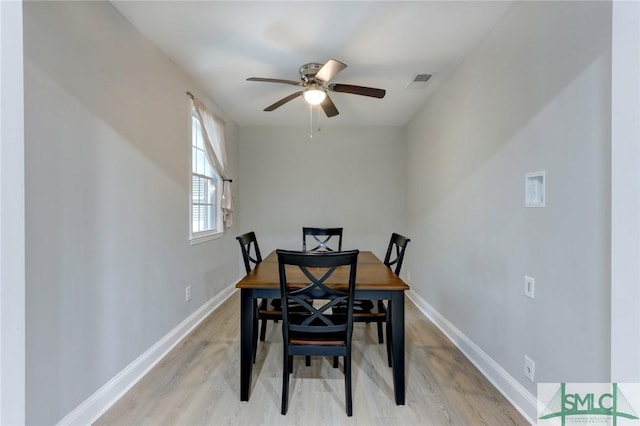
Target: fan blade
<point>275,80</point>
<point>329,107</point>
<point>283,101</point>
<point>358,90</point>
<point>329,70</point>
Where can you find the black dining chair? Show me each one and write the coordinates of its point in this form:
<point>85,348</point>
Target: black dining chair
<point>395,252</point>
<point>393,259</point>
<point>321,239</point>
<point>264,311</point>
<point>318,330</point>
<point>366,310</point>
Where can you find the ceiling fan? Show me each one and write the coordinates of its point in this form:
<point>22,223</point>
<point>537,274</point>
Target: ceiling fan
<point>314,79</point>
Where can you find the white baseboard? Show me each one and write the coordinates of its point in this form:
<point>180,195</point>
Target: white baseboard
<point>521,399</point>
<point>98,403</point>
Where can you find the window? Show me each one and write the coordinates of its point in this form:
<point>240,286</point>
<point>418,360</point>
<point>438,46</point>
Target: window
<point>206,188</point>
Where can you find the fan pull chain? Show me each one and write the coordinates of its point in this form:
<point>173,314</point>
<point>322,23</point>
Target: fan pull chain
<point>310,121</point>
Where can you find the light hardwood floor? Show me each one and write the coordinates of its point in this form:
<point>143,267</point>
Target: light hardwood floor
<point>198,383</point>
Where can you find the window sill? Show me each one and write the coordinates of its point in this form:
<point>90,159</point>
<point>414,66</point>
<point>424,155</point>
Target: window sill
<point>204,237</point>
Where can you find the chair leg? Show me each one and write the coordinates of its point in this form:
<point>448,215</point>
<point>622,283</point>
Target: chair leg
<point>286,370</point>
<point>347,382</point>
<point>254,337</point>
<point>254,349</point>
<point>335,362</point>
<point>263,330</point>
<point>389,338</point>
<point>290,360</point>
<point>307,360</point>
<point>263,327</point>
<point>380,309</point>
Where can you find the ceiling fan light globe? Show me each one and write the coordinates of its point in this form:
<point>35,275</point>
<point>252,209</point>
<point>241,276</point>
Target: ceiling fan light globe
<point>314,96</point>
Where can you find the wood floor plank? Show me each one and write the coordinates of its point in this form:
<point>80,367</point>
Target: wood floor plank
<point>198,383</point>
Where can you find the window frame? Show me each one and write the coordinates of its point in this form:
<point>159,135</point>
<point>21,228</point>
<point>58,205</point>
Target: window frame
<point>219,229</point>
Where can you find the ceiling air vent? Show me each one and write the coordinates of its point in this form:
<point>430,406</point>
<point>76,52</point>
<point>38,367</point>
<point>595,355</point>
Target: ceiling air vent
<point>420,81</point>
<point>422,78</point>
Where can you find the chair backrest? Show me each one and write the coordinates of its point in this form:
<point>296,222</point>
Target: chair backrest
<point>395,252</point>
<point>250,250</point>
<point>312,271</point>
<point>319,239</point>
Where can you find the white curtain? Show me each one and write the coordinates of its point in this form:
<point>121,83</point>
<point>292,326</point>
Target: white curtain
<point>213,133</point>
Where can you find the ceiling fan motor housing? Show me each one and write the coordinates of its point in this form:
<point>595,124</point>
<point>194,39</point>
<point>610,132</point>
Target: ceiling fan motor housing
<point>308,71</point>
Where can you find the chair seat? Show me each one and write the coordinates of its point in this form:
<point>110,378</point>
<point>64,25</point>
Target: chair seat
<point>329,339</point>
<point>362,309</point>
<point>369,316</point>
<point>270,314</point>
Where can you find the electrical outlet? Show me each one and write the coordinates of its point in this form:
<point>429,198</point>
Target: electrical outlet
<point>187,293</point>
<point>529,368</point>
<point>529,287</point>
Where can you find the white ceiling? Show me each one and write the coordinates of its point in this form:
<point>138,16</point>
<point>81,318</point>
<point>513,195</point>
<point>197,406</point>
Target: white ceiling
<point>384,43</point>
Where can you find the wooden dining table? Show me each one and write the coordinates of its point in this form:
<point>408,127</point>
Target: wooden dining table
<point>374,281</point>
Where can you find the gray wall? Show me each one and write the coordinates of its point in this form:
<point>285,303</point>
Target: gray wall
<point>107,157</point>
<point>12,239</point>
<point>625,194</point>
<point>534,95</point>
<point>349,177</point>
<point>107,153</point>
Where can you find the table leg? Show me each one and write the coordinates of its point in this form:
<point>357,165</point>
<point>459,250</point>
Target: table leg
<point>247,313</point>
<point>397,342</point>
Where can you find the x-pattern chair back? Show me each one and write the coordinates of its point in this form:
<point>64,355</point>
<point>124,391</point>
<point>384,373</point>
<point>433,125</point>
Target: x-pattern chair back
<point>321,238</point>
<point>317,315</point>
<point>250,250</point>
<point>397,246</point>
